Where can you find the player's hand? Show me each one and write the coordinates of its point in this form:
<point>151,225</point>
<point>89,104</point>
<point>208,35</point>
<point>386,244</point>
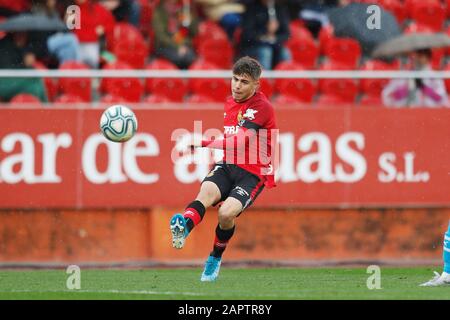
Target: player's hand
<point>182,50</point>
<point>272,27</point>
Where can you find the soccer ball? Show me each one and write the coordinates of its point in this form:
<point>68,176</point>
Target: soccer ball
<point>118,123</point>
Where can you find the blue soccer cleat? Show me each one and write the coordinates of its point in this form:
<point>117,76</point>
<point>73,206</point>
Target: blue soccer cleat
<point>178,230</point>
<point>212,267</point>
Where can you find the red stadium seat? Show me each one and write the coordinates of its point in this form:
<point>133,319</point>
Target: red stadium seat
<point>437,57</point>
<point>409,4</point>
<point>156,98</point>
<point>396,7</point>
<point>331,100</point>
<point>301,89</point>
<point>429,13</point>
<point>80,87</point>
<point>128,45</point>
<point>447,51</point>
<point>17,5</point>
<point>414,27</point>
<point>25,98</point>
<point>69,98</point>
<point>299,31</point>
<point>447,81</point>
<point>373,87</point>
<point>217,51</point>
<point>174,89</point>
<point>214,88</point>
<point>304,51</point>
<point>134,52</point>
<point>345,89</point>
<point>111,99</point>
<point>51,87</point>
<point>447,6</point>
<point>266,86</point>
<point>288,101</point>
<point>208,30</point>
<point>346,51</point>
<point>326,34</point>
<point>146,15</point>
<point>122,30</point>
<point>199,98</point>
<point>131,89</point>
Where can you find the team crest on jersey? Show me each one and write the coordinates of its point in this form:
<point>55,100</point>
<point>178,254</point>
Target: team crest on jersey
<point>240,119</point>
<point>250,114</point>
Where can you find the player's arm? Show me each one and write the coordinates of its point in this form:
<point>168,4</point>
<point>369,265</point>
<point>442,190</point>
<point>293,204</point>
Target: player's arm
<point>248,130</point>
<point>261,114</point>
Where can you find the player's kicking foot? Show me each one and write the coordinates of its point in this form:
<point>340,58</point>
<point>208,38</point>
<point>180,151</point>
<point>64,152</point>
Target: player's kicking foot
<point>438,280</point>
<point>178,230</point>
<point>212,267</point>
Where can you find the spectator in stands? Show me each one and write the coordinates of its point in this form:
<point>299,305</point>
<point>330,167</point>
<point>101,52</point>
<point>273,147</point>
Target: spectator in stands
<point>124,10</point>
<point>96,22</point>
<point>313,12</point>
<point>64,46</point>
<point>265,29</point>
<point>16,54</point>
<point>227,13</point>
<point>174,27</point>
<point>416,92</point>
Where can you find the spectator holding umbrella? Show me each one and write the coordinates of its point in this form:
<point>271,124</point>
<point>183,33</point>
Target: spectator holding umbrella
<point>60,44</point>
<point>16,54</point>
<point>417,92</point>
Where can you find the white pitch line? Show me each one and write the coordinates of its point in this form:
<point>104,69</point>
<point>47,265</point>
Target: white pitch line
<point>144,292</point>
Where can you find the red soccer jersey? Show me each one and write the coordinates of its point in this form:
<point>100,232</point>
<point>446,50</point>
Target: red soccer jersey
<point>255,113</point>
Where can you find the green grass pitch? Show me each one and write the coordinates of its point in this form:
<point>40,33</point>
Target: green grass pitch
<point>237,284</point>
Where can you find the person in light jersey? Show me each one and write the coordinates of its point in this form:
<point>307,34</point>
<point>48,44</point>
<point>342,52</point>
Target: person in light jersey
<point>246,168</point>
<point>416,92</point>
<point>442,279</point>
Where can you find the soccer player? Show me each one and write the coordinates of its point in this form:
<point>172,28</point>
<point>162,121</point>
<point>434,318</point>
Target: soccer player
<point>249,132</point>
<point>444,278</point>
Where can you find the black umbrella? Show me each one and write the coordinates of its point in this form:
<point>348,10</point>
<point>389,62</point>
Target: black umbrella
<point>33,22</point>
<point>352,21</point>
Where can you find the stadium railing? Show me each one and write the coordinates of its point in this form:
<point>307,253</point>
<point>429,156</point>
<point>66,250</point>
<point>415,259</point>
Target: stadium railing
<point>338,74</point>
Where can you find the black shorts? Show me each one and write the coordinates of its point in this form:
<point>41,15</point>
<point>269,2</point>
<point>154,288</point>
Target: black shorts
<point>233,181</point>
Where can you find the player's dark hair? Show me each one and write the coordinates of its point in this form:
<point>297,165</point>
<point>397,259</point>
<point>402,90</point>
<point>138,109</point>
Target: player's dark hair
<point>249,66</point>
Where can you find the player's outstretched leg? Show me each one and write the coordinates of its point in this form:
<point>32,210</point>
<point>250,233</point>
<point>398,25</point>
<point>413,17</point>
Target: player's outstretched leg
<point>182,224</point>
<point>444,278</point>
<point>212,265</point>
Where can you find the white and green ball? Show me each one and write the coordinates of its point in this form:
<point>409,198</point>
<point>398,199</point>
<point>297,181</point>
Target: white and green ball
<point>118,123</point>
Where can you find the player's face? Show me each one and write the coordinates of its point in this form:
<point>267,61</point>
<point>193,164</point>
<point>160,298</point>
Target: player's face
<point>243,87</point>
